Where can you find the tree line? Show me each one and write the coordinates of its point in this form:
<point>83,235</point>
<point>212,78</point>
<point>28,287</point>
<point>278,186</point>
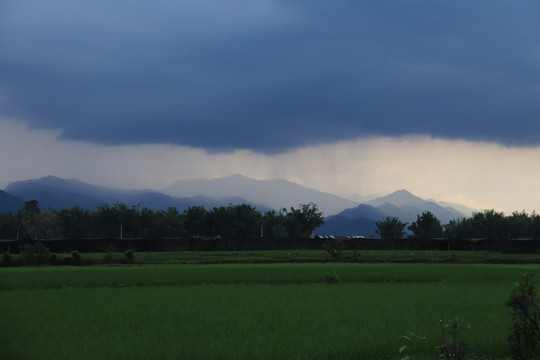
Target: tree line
<point>243,222</point>
<point>119,220</point>
<point>488,224</point>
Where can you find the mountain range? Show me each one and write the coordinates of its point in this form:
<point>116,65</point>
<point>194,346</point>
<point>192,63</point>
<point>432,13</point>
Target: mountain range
<point>60,193</point>
<point>361,220</point>
<point>343,216</point>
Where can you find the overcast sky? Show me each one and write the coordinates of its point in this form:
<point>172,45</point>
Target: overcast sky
<point>439,97</point>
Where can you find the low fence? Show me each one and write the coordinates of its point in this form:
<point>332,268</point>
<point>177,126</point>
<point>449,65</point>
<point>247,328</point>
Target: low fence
<point>499,245</point>
<point>62,245</point>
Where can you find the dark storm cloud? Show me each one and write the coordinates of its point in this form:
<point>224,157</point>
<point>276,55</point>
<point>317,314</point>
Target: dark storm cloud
<point>272,75</point>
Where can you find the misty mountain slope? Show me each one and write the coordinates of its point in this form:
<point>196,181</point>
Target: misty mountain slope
<point>398,198</point>
<point>443,214</point>
<point>361,220</point>
<point>409,213</point>
<point>407,206</point>
<point>363,211</point>
<point>150,200</point>
<point>76,187</point>
<point>9,202</point>
<point>52,197</point>
<point>460,208</point>
<point>404,214</point>
<point>363,198</point>
<point>275,194</point>
<point>60,193</point>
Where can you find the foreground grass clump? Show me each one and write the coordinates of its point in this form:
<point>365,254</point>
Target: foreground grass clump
<point>524,304</point>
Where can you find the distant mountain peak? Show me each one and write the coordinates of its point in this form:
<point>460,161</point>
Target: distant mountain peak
<point>362,211</point>
<point>407,206</point>
<point>239,176</point>
<point>399,198</point>
<point>402,192</point>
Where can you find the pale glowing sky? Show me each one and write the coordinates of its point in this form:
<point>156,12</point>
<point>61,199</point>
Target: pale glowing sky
<point>479,175</point>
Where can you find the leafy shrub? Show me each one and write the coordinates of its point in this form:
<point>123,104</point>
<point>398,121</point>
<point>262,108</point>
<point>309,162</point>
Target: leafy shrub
<point>52,259</point>
<point>109,254</point>
<point>76,257</point>
<point>524,338</point>
<point>211,243</point>
<point>334,247</point>
<point>473,243</point>
<point>408,341</point>
<point>452,346</point>
<point>331,278</point>
<point>130,255</point>
<point>452,259</point>
<point>7,259</point>
<point>37,254</point>
<point>479,357</point>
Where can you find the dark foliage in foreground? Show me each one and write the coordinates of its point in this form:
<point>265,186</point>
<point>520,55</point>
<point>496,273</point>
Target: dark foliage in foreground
<point>524,338</point>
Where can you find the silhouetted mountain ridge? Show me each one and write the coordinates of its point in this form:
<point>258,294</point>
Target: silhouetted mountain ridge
<point>361,220</point>
<point>397,198</point>
<point>60,193</point>
<point>407,206</point>
<point>363,211</point>
<point>347,217</point>
<point>9,202</point>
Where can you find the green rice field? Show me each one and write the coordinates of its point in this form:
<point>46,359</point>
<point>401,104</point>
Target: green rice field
<point>252,311</point>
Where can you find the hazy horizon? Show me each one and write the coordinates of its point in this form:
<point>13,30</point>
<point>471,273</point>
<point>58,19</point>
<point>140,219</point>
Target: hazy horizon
<point>383,167</point>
